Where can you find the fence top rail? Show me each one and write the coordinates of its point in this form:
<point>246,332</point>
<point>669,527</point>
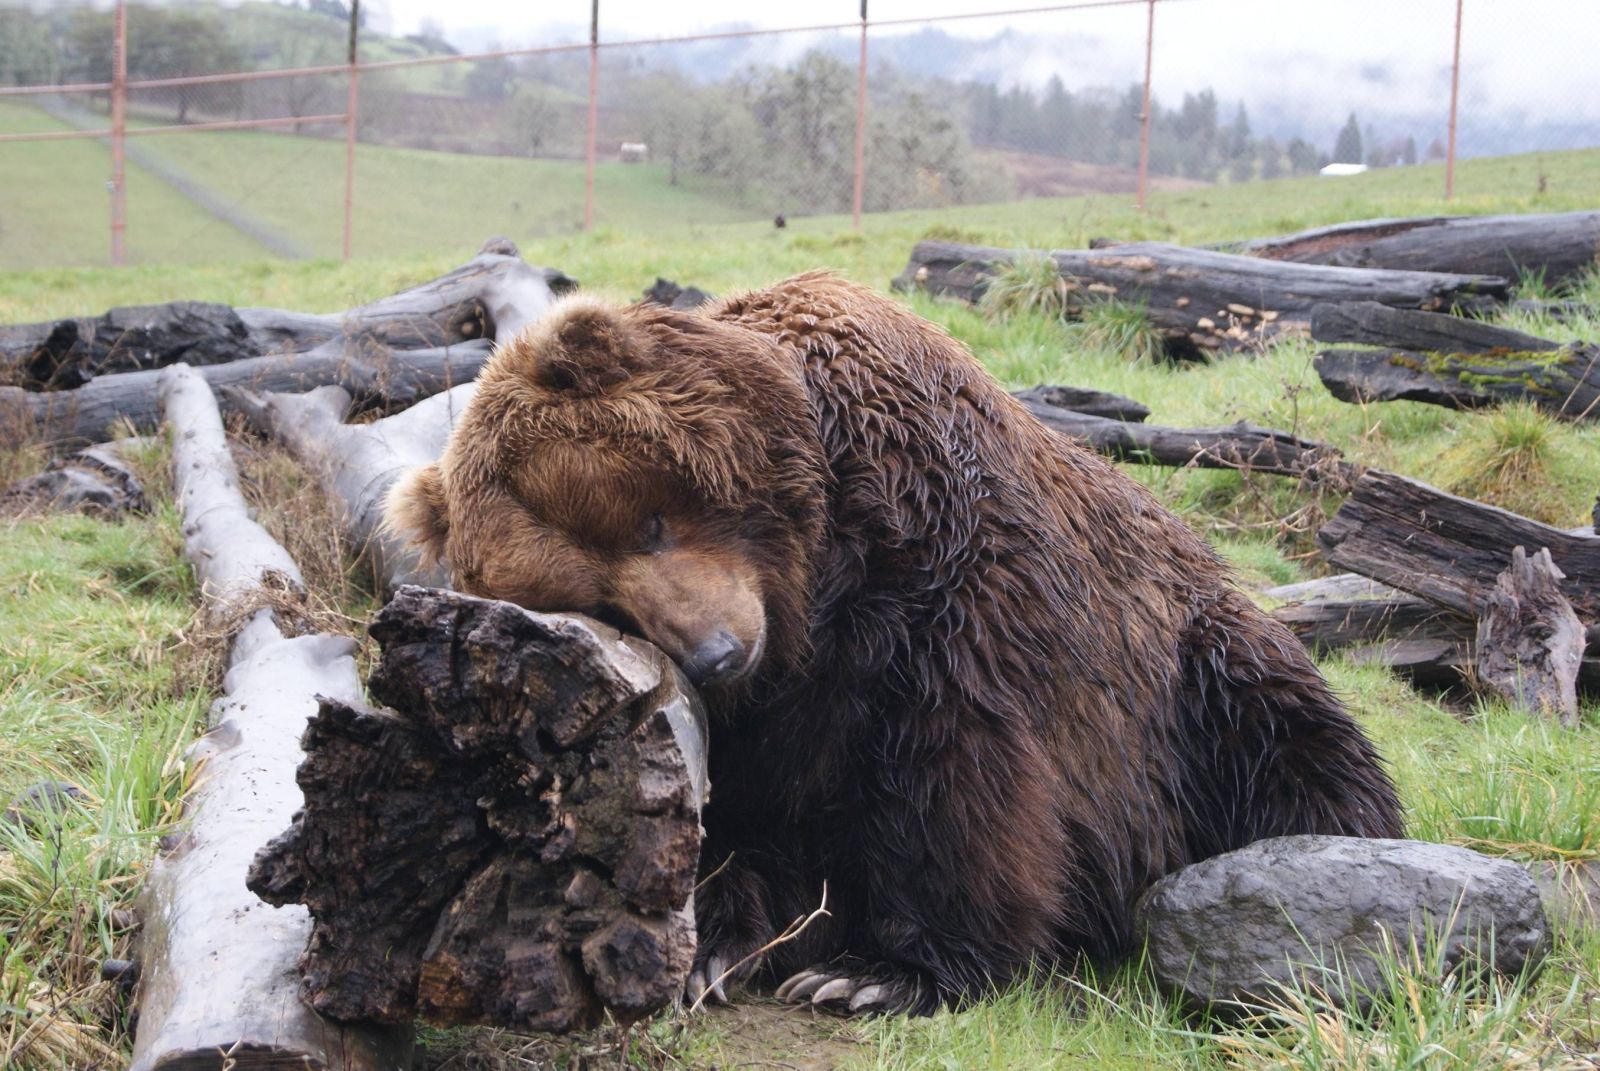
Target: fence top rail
<point>545,50</point>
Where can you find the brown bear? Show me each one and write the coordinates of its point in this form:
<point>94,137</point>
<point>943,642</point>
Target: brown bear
<point>962,672</point>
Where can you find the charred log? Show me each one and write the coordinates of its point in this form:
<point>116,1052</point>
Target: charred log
<point>515,842</point>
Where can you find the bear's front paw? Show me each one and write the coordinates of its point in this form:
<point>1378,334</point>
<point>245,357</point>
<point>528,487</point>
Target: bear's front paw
<point>855,987</point>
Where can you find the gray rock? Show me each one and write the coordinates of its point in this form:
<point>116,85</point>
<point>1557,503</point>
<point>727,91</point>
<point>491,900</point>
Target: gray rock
<point>1313,909</point>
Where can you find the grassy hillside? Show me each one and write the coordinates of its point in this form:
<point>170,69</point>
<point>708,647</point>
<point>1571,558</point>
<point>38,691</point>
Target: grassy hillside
<point>101,684</point>
<point>414,203</point>
<point>55,208</point>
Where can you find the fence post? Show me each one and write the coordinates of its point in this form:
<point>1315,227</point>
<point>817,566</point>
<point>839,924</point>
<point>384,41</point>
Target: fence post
<point>594,113</point>
<point>1455,85</point>
<point>1144,109</point>
<point>119,129</point>
<point>350,105</point>
<point>861,122</point>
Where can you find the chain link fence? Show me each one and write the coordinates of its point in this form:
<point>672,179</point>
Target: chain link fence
<point>198,133</point>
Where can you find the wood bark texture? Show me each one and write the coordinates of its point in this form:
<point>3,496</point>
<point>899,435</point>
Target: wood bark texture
<point>1530,643</point>
<point>96,480</point>
<point>1089,402</point>
<point>1556,245</point>
<point>1238,446</point>
<point>235,560</point>
<point>515,841</point>
<point>218,966</point>
<point>1449,361</point>
<point>374,376</point>
<point>356,464</point>
<point>490,297</point>
<point>1199,299</point>
<point>1449,550</point>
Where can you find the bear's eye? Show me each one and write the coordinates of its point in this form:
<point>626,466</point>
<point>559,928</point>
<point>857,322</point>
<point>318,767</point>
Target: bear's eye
<point>653,535</point>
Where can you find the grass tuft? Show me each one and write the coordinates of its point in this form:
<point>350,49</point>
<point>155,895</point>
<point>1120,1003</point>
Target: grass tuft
<point>1119,328</point>
<point>1029,284</point>
<point>1520,458</point>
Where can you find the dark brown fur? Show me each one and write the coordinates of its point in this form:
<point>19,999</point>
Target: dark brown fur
<point>1000,689</point>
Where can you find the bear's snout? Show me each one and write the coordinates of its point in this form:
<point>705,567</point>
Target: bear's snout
<point>716,660</point>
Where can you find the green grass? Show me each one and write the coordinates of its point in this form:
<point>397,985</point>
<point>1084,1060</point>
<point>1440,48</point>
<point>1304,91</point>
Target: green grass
<point>90,611</point>
<point>54,208</point>
<point>93,694</point>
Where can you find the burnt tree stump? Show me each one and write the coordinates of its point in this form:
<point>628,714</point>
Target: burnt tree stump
<point>1530,642</point>
<point>513,840</point>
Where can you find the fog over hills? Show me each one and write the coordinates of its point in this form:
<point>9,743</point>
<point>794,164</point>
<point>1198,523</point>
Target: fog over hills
<point>1300,69</point>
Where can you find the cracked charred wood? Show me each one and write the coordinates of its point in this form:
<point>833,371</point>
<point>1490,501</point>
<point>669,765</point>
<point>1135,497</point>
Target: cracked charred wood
<point>1374,624</point>
<point>1238,446</point>
<point>96,481</point>
<point>1557,245</point>
<point>1453,362</point>
<point>514,841</point>
<point>1201,300</point>
<point>63,354</point>
<point>490,297</point>
<point>1529,647</point>
<point>356,464</point>
<point>1090,402</point>
<point>217,966</point>
<point>374,376</point>
<point>1449,550</point>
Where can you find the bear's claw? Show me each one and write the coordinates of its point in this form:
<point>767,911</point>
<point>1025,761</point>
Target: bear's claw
<point>705,982</point>
<point>859,990</point>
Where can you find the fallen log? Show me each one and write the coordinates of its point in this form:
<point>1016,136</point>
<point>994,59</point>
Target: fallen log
<point>491,296</point>
<point>1371,324</point>
<point>1449,550</point>
<point>1201,300</point>
<point>235,560</point>
<point>1556,246</point>
<point>96,480</point>
<point>1089,402</point>
<point>515,842</point>
<point>1238,446</point>
<point>375,377</point>
<point>1464,364</point>
<point>356,464</point>
<point>1530,644</point>
<point>217,967</point>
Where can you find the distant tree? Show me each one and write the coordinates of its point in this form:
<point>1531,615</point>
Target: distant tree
<point>1303,158</point>
<point>1408,155</point>
<point>534,112</point>
<point>1271,154</point>
<point>491,79</point>
<point>1436,150</point>
<point>162,43</point>
<point>27,54</point>
<point>1347,149</point>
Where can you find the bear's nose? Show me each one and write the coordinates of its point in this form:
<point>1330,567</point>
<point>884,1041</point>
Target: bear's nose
<point>715,660</point>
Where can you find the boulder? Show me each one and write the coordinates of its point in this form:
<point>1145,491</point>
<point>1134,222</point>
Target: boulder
<point>1315,910</point>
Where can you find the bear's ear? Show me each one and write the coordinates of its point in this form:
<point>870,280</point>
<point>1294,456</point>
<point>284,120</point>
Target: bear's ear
<point>586,348</point>
<point>416,509</point>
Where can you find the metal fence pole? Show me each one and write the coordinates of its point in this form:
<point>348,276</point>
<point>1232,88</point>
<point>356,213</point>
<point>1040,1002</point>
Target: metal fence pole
<point>350,106</point>
<point>1144,109</point>
<point>861,122</point>
<point>594,113</point>
<point>119,130</point>
<point>1455,85</point>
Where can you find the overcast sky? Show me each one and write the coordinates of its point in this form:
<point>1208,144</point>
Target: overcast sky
<point>1531,57</point>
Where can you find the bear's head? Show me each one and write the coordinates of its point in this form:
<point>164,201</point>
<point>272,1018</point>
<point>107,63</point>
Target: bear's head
<point>657,470</point>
